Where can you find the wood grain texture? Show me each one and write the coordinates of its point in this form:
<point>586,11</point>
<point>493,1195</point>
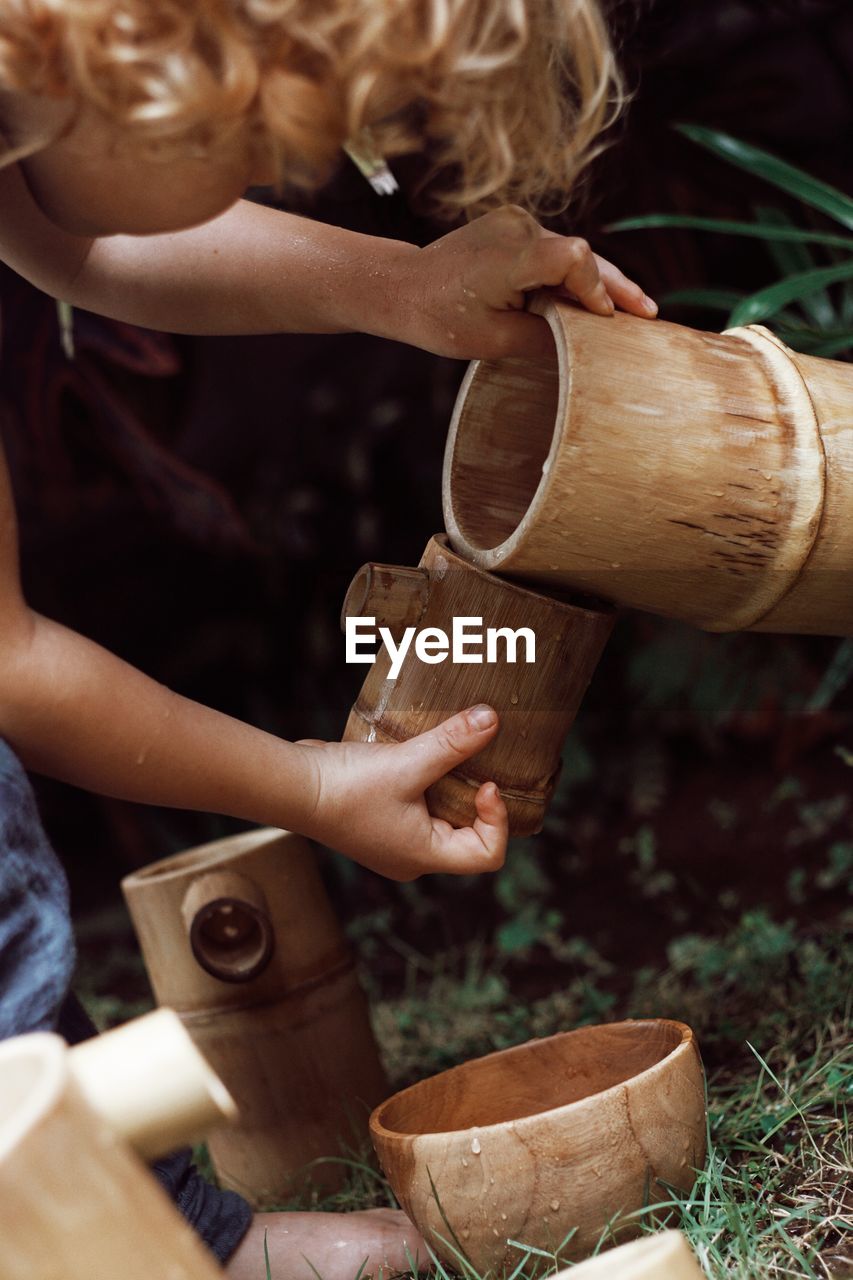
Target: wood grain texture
<point>293,1043</point>
<point>75,1202</point>
<point>554,1135</point>
<point>536,702</point>
<point>696,475</point>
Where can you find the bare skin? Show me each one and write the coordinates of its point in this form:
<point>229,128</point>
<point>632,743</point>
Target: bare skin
<point>335,1244</point>
<point>91,219</point>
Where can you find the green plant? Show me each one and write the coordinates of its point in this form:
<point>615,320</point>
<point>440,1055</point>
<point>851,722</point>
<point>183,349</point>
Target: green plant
<point>807,316</point>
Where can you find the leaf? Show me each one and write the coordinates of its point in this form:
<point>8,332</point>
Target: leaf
<point>760,230</point>
<point>770,300</point>
<point>794,258</point>
<point>815,342</point>
<point>787,177</point>
<point>832,348</point>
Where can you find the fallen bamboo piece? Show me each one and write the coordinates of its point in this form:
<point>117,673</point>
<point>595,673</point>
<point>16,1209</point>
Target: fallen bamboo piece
<point>702,476</point>
<point>76,1203</point>
<point>666,1255</point>
<point>239,937</point>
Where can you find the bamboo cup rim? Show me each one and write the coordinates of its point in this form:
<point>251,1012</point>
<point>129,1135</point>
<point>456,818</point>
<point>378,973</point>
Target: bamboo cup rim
<point>205,857</point>
<point>681,1041</point>
<point>461,521</point>
<point>33,1072</point>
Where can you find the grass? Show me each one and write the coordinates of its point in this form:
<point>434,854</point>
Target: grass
<point>774,1199</point>
<point>771,1004</point>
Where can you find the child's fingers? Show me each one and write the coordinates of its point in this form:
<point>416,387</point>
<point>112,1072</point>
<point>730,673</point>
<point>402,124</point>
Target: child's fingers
<point>481,847</point>
<point>431,755</point>
<point>624,292</point>
<point>564,262</point>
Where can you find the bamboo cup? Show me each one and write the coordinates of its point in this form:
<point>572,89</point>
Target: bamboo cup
<point>76,1203</point>
<point>536,702</point>
<point>666,1255</point>
<point>557,1136</point>
<point>240,939</point>
<point>702,476</point>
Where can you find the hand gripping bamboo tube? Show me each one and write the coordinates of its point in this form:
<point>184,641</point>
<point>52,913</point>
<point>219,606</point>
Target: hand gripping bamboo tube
<point>239,937</point>
<point>666,1255</point>
<point>76,1203</point>
<point>701,476</point>
<point>536,702</point>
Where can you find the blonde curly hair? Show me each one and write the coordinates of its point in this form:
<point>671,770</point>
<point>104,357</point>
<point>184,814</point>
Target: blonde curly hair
<point>506,97</point>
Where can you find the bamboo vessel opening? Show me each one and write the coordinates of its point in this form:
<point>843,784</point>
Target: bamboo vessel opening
<point>526,1081</point>
<point>502,437</point>
<point>702,476</point>
<point>207,856</point>
<point>32,1076</point>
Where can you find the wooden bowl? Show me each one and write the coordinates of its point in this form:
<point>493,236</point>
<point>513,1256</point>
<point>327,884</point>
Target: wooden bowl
<point>558,1135</point>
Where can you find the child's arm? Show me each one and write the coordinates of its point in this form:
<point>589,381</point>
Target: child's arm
<point>76,712</point>
<point>259,270</point>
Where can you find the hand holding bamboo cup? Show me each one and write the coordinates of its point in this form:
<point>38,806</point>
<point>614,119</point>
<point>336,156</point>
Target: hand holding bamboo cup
<point>536,702</point>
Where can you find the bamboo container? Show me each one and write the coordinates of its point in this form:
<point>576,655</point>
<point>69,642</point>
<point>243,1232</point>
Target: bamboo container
<point>239,937</point>
<point>537,703</point>
<point>666,1255</point>
<point>76,1203</point>
<point>568,1133</point>
<point>149,1082</point>
<point>701,476</point>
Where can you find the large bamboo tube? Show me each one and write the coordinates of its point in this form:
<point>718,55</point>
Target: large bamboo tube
<point>536,702</point>
<point>701,476</point>
<point>239,937</point>
<point>75,1202</point>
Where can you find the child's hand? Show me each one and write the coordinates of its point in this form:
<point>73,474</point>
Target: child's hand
<point>471,286</point>
<point>369,801</point>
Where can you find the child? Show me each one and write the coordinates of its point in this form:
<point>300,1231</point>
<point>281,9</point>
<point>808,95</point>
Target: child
<point>131,129</point>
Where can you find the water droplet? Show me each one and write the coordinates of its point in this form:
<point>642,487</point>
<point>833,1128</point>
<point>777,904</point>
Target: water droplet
<point>615,564</point>
<point>465,1234</point>
<point>503,1217</point>
<point>513,697</point>
<point>597,519</point>
<point>768,475</point>
<point>495,1231</point>
<point>555,1204</point>
<point>475,1146</point>
<point>464,1163</point>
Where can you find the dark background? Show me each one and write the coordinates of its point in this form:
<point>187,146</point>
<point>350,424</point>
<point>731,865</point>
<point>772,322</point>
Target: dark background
<point>200,505</point>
